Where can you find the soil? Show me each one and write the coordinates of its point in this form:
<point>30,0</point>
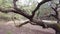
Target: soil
<point>26,29</point>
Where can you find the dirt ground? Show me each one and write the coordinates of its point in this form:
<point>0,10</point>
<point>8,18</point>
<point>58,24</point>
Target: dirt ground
<point>26,29</point>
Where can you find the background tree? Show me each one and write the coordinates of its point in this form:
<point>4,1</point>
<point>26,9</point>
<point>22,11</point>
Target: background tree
<point>31,16</point>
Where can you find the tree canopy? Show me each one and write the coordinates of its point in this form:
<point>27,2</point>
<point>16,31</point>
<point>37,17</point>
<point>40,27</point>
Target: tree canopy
<point>34,10</point>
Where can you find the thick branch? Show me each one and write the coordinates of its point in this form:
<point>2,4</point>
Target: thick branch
<point>49,24</point>
<point>39,4</point>
<point>33,13</point>
<point>22,12</point>
<point>37,21</point>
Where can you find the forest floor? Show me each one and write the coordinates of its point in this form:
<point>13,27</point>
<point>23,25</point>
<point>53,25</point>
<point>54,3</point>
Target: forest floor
<point>26,29</point>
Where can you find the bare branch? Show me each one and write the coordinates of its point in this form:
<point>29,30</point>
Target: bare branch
<point>22,12</point>
<point>30,17</point>
<point>39,4</point>
<point>18,11</point>
<point>56,15</point>
<point>23,24</point>
<point>33,13</point>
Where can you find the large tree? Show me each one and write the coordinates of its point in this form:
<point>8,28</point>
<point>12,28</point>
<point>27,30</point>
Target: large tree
<point>35,21</point>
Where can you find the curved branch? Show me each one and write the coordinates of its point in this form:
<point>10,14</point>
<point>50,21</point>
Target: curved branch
<point>56,15</point>
<point>22,12</point>
<point>37,21</point>
<point>33,13</point>
<point>39,4</point>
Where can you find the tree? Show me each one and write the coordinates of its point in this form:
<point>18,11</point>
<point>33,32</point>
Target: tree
<point>36,21</point>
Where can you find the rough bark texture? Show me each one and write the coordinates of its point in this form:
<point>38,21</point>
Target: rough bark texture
<point>31,18</point>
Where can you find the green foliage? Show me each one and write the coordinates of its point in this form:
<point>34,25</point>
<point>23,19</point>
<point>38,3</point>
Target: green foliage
<point>4,16</point>
<point>44,9</point>
<point>6,3</point>
<point>10,16</point>
<point>8,32</point>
